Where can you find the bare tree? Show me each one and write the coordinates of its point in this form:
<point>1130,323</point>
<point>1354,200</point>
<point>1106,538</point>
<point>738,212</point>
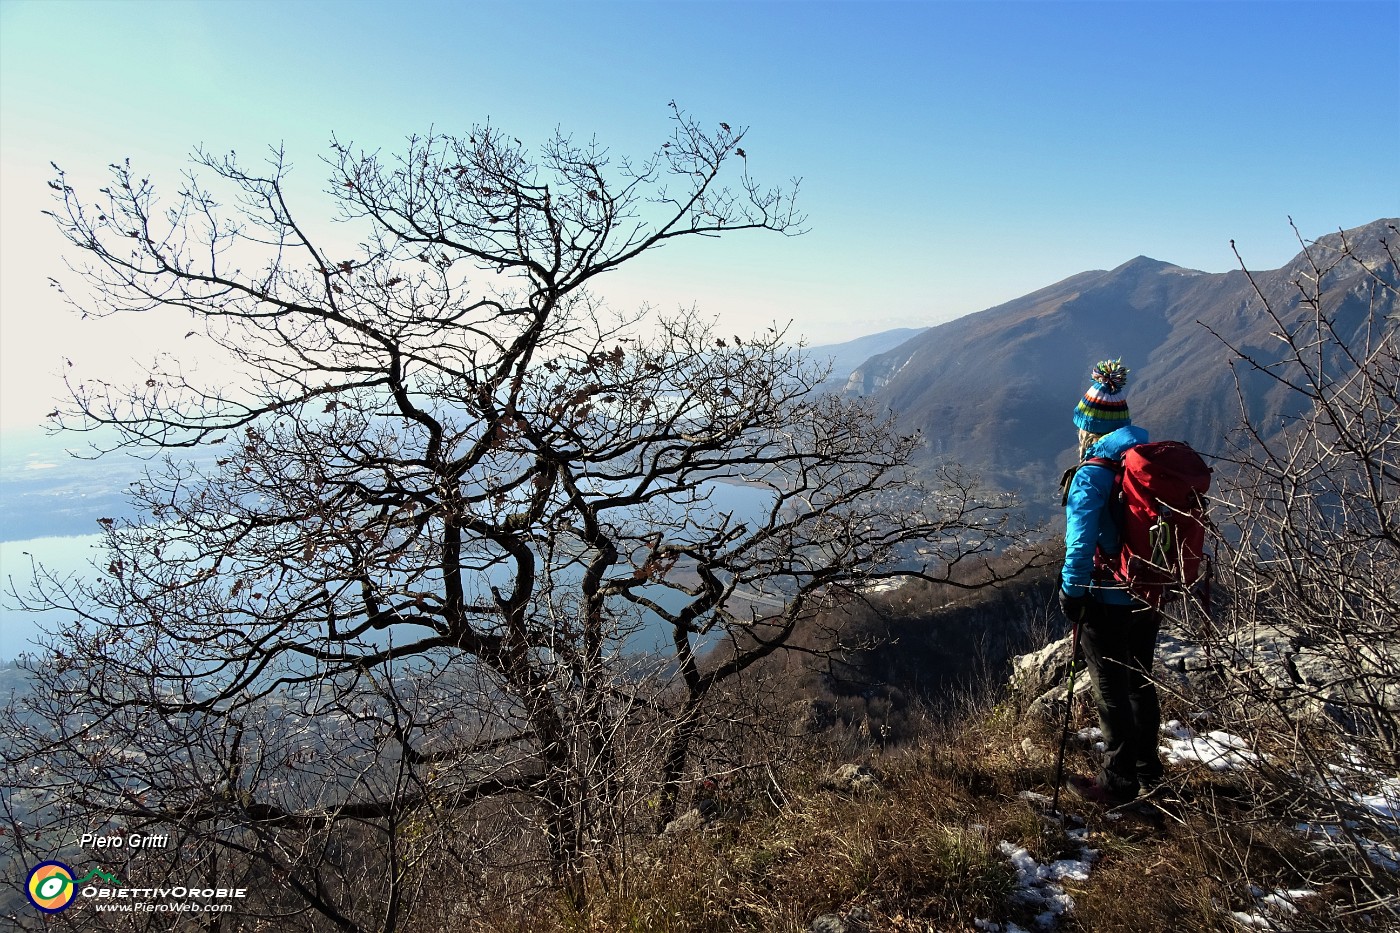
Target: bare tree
<point>440,590</point>
<point>1308,642</point>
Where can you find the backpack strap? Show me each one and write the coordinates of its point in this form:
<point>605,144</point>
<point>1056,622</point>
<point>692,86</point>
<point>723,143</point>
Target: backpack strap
<point>1113,466</point>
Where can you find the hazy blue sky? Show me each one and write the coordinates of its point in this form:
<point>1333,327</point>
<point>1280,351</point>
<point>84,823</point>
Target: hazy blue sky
<point>953,155</point>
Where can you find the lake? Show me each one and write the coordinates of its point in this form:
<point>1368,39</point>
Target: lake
<point>50,503</point>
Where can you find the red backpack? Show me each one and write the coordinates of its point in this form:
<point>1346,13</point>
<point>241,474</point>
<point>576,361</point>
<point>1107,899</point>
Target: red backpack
<point>1159,504</point>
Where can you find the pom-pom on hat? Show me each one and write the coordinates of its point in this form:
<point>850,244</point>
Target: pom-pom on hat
<point>1104,408</point>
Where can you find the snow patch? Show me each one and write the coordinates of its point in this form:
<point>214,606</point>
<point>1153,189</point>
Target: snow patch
<point>1217,750</point>
<point>1271,908</point>
<point>1331,835</point>
<point>1374,793</point>
<point>1281,900</point>
<point>1092,736</point>
<point>1037,886</point>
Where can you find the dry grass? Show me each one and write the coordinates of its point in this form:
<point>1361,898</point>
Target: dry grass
<point>909,854</point>
<point>921,855</point>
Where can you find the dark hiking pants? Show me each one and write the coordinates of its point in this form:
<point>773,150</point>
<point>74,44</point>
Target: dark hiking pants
<point>1118,645</point>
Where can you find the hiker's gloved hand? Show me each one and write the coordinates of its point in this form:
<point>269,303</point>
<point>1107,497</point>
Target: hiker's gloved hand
<point>1073,607</point>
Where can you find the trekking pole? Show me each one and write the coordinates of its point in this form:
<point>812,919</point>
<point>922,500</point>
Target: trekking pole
<point>1064,733</point>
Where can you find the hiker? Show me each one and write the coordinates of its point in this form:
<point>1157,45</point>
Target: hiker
<point>1117,631</point>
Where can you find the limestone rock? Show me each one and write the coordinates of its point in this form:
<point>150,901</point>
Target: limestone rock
<point>1309,678</point>
<point>852,779</point>
<point>855,920</point>
<point>687,822</point>
<point>1033,674</point>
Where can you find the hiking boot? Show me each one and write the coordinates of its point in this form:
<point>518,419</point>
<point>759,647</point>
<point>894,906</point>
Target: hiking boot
<point>1091,791</point>
<point>1150,774</point>
<point>1152,785</point>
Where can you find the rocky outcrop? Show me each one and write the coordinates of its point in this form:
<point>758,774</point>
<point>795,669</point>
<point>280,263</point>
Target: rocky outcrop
<point>856,920</point>
<point>1311,679</point>
<point>688,822</point>
<point>1040,680</point>
<point>852,779</point>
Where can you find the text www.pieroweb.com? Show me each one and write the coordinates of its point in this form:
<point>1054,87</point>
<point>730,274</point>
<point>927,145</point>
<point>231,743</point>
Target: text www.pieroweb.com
<point>149,908</point>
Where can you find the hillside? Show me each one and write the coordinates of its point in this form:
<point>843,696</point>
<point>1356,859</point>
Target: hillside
<point>905,785</point>
<point>994,390</point>
<point>845,357</point>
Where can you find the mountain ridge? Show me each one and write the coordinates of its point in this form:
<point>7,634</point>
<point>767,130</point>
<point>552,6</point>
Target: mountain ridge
<point>994,390</point>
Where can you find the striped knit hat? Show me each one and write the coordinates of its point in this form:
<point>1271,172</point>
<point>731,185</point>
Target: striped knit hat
<point>1103,408</point>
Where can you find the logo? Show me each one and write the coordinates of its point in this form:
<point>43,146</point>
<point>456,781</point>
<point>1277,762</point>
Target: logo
<point>51,886</point>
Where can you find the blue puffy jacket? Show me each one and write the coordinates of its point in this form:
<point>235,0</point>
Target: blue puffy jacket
<point>1088,526</point>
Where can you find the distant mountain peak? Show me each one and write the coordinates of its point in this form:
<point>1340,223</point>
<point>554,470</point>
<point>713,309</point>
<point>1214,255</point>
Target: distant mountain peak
<point>1368,242</point>
<point>1140,264</point>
